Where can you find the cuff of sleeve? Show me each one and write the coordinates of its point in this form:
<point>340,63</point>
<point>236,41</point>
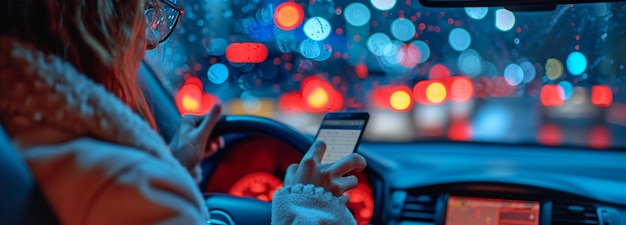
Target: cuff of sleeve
<point>310,189</point>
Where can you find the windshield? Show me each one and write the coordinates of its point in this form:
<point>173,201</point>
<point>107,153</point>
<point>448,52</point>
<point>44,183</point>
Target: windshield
<point>461,74</point>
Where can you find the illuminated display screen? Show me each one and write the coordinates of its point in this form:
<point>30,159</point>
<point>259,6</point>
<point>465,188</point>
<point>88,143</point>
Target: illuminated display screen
<point>341,137</point>
<point>485,211</point>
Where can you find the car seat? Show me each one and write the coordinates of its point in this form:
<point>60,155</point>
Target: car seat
<point>22,201</point>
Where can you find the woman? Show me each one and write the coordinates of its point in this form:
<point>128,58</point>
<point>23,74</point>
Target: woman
<point>69,101</point>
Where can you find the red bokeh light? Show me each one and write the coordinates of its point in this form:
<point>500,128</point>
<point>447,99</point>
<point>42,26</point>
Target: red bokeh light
<point>601,95</point>
<point>551,95</point>
<point>550,134</point>
<point>419,92</point>
<point>291,102</point>
<point>361,70</point>
<point>438,72</point>
<point>460,130</point>
<point>461,89</point>
<point>246,52</point>
<point>600,137</point>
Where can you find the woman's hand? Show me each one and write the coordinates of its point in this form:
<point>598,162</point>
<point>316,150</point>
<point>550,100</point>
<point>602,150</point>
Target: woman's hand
<point>329,176</point>
<point>191,142</point>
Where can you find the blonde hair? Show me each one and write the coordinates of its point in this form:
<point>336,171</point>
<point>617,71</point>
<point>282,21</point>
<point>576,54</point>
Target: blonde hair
<point>103,39</point>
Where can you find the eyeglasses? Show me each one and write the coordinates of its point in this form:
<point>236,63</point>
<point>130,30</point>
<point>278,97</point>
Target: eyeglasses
<point>162,20</point>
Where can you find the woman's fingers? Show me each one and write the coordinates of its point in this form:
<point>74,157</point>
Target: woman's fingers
<point>312,158</point>
<point>346,183</point>
<point>352,162</point>
<point>291,171</point>
<point>210,120</point>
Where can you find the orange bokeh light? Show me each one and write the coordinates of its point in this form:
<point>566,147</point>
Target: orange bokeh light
<point>394,97</point>
<point>319,95</point>
<point>288,16</point>
<point>191,100</point>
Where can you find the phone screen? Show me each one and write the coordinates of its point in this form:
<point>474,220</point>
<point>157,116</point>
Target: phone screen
<point>341,132</point>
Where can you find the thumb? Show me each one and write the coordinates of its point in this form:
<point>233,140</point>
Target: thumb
<point>192,120</point>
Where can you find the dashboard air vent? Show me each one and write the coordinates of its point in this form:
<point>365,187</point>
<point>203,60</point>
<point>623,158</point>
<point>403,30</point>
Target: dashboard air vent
<point>419,207</point>
<point>573,213</point>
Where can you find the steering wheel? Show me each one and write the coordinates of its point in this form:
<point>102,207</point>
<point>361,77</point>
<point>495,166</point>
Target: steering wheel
<point>245,210</point>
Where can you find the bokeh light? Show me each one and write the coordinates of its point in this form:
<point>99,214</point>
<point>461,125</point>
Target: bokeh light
<point>408,56</point>
<point>424,50</point>
<point>551,95</point>
<point>461,89</point>
<point>310,49</point>
<point>288,15</point>
<point>477,13</point>
<point>438,72</point>
<point>317,28</point>
<point>320,96</point>
<point>402,29</point>
<point>436,92</point>
<point>554,69</point>
<point>568,89</point>
<point>217,73</point>
<point>377,43</point>
<point>601,95</point>
<point>357,14</point>
<point>246,52</point>
<point>576,63</point>
<point>419,92</point>
<point>400,100</point>
<point>383,5</point>
<point>550,134</point>
<point>529,71</point>
<point>459,39</point>
<point>514,74</point>
<point>505,19</point>
<point>317,98</point>
<point>470,63</point>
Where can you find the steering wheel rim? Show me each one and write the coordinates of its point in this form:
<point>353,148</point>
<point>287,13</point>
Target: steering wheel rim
<point>245,210</point>
<point>248,124</point>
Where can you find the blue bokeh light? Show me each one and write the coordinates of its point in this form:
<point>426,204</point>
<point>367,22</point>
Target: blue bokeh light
<point>576,63</point>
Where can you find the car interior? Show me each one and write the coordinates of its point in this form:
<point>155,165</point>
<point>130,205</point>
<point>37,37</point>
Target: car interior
<point>481,111</point>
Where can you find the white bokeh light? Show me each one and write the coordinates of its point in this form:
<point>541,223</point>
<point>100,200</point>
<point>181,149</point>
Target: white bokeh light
<point>384,4</point>
<point>317,28</point>
<point>505,19</point>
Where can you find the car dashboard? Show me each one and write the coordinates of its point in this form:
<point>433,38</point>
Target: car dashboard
<point>422,182</point>
<point>450,182</point>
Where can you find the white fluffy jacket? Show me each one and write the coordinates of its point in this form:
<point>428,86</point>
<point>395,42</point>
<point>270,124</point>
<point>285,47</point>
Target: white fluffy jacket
<point>97,162</point>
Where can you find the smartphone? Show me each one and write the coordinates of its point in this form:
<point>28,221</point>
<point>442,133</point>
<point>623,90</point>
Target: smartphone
<point>342,132</point>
